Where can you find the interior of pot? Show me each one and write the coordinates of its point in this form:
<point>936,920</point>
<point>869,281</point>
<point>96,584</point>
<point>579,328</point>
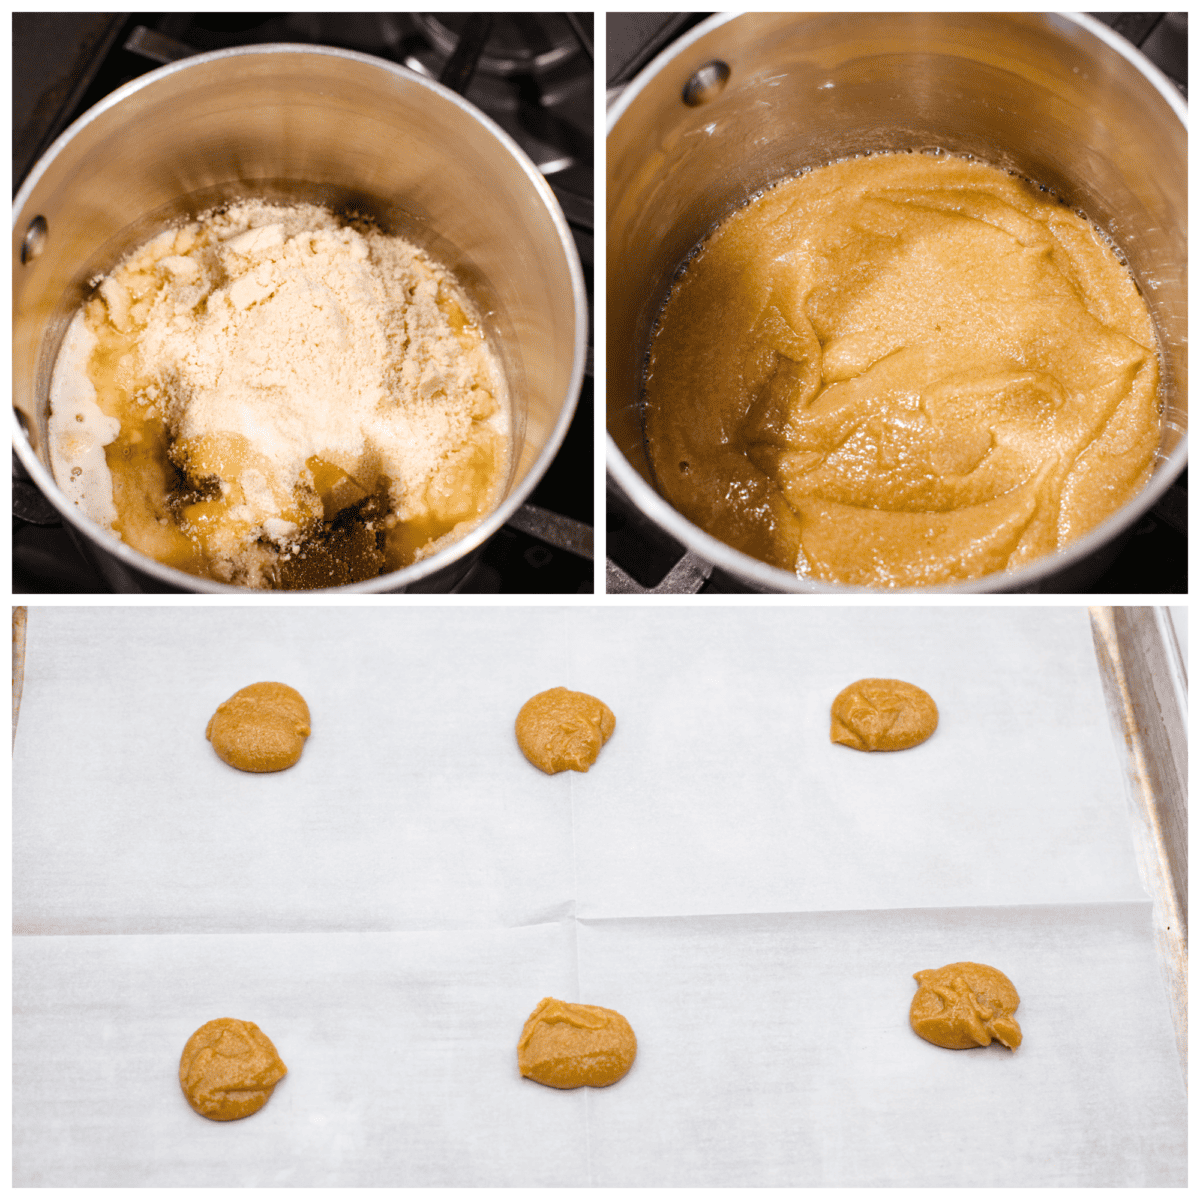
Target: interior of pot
<point>298,123</point>
<point>1037,94</point>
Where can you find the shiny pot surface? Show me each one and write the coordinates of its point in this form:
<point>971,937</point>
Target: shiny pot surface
<point>322,125</point>
<point>743,101</point>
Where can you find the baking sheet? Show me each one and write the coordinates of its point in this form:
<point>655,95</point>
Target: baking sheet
<point>718,806</point>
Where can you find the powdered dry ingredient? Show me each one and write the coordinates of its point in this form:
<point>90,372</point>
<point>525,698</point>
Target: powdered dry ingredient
<point>283,401</point>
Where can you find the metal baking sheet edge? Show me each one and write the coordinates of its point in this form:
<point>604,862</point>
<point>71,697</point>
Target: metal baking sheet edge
<point>1145,686</point>
<point>18,671</point>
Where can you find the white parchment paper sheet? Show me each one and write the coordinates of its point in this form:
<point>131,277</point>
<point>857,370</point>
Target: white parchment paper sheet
<point>413,884</point>
<point>412,807</point>
<point>721,791</point>
<point>400,1049</point>
<point>775,1050</point>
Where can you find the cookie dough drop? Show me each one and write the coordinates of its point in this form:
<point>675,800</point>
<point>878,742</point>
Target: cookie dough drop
<point>261,728</point>
<point>561,730</point>
<point>229,1069</point>
<point>575,1045</point>
<point>882,714</point>
<point>965,1005</point>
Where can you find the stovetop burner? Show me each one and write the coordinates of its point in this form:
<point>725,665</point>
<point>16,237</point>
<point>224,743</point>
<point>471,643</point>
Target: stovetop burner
<point>533,78</point>
<point>643,559</point>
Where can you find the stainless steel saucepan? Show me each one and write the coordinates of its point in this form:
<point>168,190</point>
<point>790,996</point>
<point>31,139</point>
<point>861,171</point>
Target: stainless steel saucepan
<point>302,123</point>
<point>743,101</point>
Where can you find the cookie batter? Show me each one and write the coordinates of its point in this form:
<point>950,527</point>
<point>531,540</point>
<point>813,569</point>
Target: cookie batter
<point>964,1005</point>
<point>902,370</point>
<point>561,730</point>
<point>274,397</point>
<point>261,728</point>
<point>882,714</point>
<point>575,1045</point>
<point>229,1069</point>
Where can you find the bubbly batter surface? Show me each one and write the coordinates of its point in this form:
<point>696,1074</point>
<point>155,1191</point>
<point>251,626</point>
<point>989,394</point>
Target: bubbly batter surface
<point>901,371</point>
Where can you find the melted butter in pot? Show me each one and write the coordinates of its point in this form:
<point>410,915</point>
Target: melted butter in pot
<point>273,398</point>
<point>902,371</point>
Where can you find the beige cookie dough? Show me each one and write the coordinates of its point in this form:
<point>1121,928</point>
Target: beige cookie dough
<point>964,1005</point>
<point>261,728</point>
<point>229,1069</point>
<point>561,730</point>
<point>575,1045</point>
<point>882,714</point>
<point>901,370</point>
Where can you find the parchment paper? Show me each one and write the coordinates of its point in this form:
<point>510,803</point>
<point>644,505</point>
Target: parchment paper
<point>753,898</point>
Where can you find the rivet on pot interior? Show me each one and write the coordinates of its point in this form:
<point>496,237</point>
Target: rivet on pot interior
<point>706,84</point>
<point>34,241</point>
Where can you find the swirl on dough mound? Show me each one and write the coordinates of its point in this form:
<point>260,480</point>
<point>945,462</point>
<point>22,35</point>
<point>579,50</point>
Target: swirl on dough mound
<point>882,714</point>
<point>561,730</point>
<point>964,1005</point>
<point>575,1045</point>
<point>228,1069</point>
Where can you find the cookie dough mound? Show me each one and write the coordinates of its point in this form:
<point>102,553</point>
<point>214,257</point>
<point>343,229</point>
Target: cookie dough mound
<point>965,1005</point>
<point>882,714</point>
<point>561,730</point>
<point>229,1069</point>
<point>260,728</point>
<point>575,1045</point>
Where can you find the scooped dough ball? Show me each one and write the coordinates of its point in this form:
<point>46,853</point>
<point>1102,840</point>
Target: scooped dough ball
<point>260,728</point>
<point>229,1069</point>
<point>882,714</point>
<point>561,730</point>
<point>965,1005</point>
<point>575,1045</point>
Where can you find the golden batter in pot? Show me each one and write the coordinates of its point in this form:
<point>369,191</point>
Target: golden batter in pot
<point>900,371</point>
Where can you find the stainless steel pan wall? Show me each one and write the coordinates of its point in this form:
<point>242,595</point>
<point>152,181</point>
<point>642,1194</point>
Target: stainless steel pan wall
<point>317,124</point>
<point>1053,98</point>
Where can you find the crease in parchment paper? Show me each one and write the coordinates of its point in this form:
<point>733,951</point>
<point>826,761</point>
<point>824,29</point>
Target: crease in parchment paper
<point>580,998</point>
